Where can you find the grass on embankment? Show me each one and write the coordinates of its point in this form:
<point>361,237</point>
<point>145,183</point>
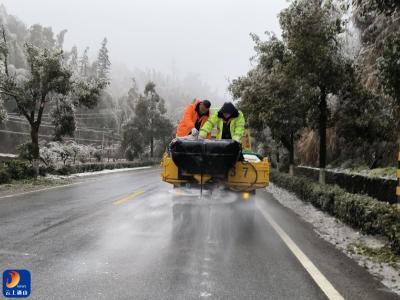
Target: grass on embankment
<point>27,185</point>
<point>380,255</point>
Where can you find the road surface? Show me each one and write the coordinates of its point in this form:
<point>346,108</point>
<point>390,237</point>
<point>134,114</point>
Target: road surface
<point>115,237</point>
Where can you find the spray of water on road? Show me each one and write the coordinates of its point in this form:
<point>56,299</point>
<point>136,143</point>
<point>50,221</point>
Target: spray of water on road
<point>191,235</point>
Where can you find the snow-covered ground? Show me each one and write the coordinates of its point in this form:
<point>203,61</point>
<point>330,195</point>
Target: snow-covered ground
<point>106,171</point>
<point>341,236</point>
<point>365,173</point>
<point>9,155</point>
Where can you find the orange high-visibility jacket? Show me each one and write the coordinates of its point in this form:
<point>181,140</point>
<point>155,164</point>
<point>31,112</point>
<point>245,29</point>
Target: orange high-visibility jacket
<point>189,119</point>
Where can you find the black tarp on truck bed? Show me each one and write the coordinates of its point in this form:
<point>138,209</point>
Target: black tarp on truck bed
<point>212,157</point>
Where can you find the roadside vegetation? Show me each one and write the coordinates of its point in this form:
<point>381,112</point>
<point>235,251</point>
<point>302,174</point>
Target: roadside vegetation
<point>17,170</point>
<point>27,185</point>
<point>358,211</point>
<point>380,255</point>
<point>327,93</point>
<point>58,113</point>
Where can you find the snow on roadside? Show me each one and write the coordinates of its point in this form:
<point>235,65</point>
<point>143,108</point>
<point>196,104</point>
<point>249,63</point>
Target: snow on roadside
<point>102,172</point>
<point>364,173</point>
<point>8,155</point>
<point>341,236</point>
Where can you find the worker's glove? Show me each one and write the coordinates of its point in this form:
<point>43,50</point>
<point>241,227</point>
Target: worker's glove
<point>195,132</point>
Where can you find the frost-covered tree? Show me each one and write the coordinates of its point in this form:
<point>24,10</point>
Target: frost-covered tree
<point>3,112</point>
<point>33,90</point>
<point>47,155</point>
<point>383,6</point>
<point>17,32</point>
<point>378,62</point>
<point>46,81</point>
<point>4,55</point>
<point>42,37</point>
<point>60,39</point>
<point>75,150</point>
<point>74,60</point>
<point>84,152</point>
<point>149,124</point>
<point>65,153</point>
<point>311,30</point>
<point>101,68</point>
<point>375,29</point>
<point>363,124</point>
<point>84,63</point>
<point>134,136</point>
<point>103,62</point>
<point>52,153</point>
<point>156,119</point>
<point>63,117</point>
<point>125,107</point>
<point>272,96</point>
<point>133,94</point>
<point>389,68</point>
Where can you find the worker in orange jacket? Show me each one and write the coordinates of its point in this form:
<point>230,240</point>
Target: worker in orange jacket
<point>194,117</point>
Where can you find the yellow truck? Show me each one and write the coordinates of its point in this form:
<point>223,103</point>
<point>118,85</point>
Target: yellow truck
<point>224,171</point>
<point>208,164</point>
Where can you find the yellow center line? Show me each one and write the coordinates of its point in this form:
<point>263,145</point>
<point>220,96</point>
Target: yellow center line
<point>128,197</point>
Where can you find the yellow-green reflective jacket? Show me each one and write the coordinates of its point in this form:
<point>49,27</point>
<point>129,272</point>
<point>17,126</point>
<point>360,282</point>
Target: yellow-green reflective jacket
<point>236,126</point>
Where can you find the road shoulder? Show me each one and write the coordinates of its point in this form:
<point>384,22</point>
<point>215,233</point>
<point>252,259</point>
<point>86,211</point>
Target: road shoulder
<point>23,187</point>
<point>346,274</point>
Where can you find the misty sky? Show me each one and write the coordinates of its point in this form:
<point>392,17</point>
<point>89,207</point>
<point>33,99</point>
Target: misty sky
<point>208,37</point>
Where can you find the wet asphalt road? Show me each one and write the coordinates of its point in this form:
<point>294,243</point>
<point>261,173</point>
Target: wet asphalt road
<point>119,236</point>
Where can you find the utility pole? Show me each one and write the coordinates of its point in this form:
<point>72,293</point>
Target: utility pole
<point>109,148</point>
<point>112,145</point>
<point>102,141</point>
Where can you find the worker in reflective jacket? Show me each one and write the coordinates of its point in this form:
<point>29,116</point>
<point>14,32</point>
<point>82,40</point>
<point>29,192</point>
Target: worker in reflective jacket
<point>194,117</point>
<point>229,121</point>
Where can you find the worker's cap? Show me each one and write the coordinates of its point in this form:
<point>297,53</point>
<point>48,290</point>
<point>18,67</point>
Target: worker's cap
<point>206,103</point>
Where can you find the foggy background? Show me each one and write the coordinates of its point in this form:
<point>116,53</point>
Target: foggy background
<point>208,39</point>
<point>188,49</point>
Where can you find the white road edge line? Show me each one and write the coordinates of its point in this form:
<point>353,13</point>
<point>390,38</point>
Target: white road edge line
<point>316,275</point>
<point>65,185</point>
<point>104,172</point>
